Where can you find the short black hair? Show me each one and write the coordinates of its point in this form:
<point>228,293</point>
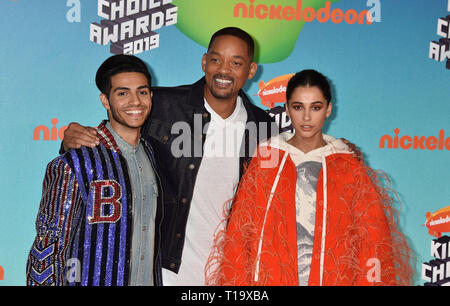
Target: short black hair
<point>309,77</point>
<point>236,32</point>
<point>117,64</point>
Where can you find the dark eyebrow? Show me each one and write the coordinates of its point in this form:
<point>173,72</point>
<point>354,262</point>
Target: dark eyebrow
<point>234,56</point>
<point>316,102</point>
<point>126,88</point>
<point>239,57</point>
<point>120,88</point>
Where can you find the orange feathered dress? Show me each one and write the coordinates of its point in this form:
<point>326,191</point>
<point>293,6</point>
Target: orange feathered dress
<point>356,236</point>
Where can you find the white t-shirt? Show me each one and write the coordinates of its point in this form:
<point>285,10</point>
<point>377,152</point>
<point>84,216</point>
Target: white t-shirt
<point>214,187</point>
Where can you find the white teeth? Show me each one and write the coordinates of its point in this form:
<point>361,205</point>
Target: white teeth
<point>134,112</point>
<point>223,81</point>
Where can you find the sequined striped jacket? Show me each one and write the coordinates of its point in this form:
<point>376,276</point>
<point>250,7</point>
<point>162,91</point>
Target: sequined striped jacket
<point>84,219</point>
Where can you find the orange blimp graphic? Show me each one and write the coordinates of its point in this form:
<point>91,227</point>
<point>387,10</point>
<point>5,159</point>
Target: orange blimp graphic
<point>273,91</point>
<point>438,222</point>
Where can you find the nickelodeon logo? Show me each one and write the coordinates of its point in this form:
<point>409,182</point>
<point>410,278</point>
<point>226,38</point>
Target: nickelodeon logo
<point>406,142</point>
<point>300,13</point>
<point>51,133</point>
<point>438,222</point>
<point>274,91</point>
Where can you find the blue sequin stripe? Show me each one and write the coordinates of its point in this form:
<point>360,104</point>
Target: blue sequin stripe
<point>78,219</point>
<point>84,231</point>
<point>97,236</point>
<point>74,213</point>
<point>88,229</point>
<point>96,229</point>
<point>69,201</point>
<point>107,166</point>
<point>122,240</point>
<point>78,168</point>
<point>104,230</point>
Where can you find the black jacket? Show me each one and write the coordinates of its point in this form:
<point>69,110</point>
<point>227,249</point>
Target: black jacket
<point>178,174</point>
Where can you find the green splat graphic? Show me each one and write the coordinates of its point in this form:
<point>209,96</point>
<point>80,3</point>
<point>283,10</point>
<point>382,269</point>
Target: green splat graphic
<point>275,39</point>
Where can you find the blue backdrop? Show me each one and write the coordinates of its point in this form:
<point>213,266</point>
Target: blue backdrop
<point>383,76</point>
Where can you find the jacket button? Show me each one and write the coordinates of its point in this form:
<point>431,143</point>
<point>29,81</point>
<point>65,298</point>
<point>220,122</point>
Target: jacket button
<point>165,138</point>
<point>178,235</point>
<point>191,166</point>
<point>172,265</point>
<point>205,115</point>
<point>184,200</point>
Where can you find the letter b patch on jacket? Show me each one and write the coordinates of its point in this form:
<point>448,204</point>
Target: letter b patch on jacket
<point>106,205</point>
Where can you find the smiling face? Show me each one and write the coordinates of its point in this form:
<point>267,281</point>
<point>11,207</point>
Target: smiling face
<point>129,103</point>
<point>307,108</point>
<point>227,67</point>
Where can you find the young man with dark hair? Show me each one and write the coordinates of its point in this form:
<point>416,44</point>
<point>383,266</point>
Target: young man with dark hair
<point>96,220</point>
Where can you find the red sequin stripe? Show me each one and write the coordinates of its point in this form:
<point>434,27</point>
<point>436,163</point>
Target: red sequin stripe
<point>70,197</point>
<point>106,138</point>
<point>54,189</point>
<point>56,193</point>
<point>73,196</point>
<point>63,196</point>
<point>48,187</point>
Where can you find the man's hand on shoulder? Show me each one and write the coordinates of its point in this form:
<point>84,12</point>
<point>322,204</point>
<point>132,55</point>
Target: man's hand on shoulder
<point>77,135</point>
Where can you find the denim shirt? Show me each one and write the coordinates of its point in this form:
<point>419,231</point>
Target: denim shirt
<point>145,192</point>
